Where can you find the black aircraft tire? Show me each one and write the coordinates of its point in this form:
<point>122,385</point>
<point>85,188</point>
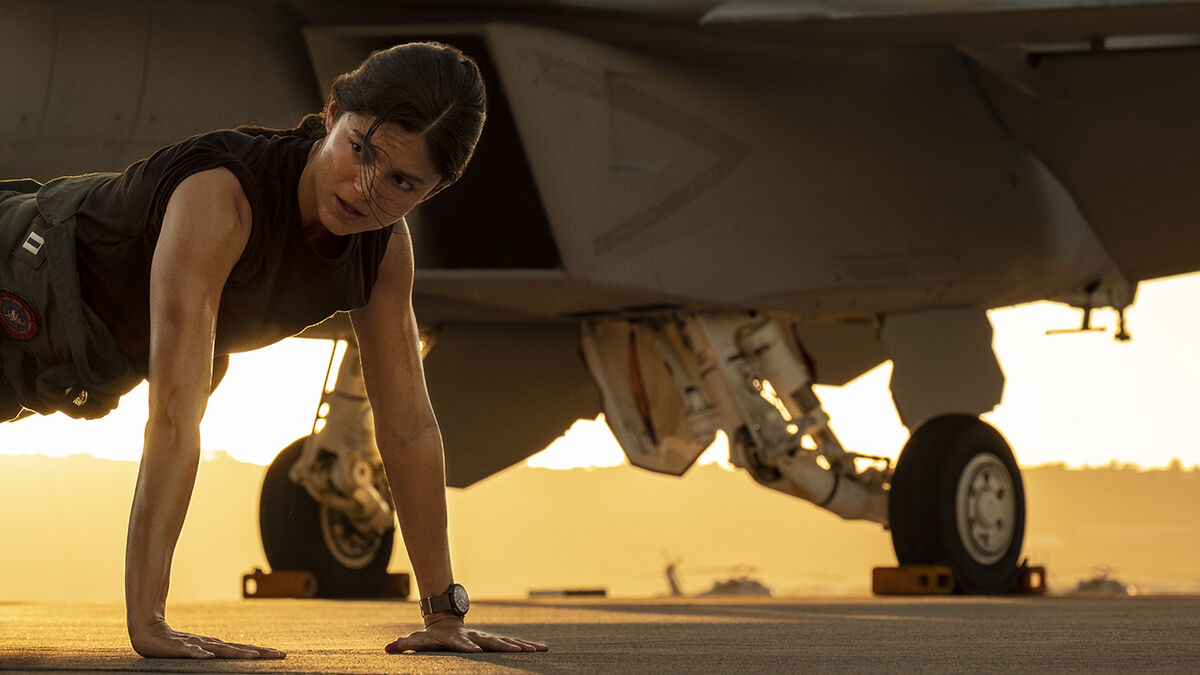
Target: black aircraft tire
<point>957,499</point>
<point>290,522</point>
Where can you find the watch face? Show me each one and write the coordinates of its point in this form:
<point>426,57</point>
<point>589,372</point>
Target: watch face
<point>459,599</point>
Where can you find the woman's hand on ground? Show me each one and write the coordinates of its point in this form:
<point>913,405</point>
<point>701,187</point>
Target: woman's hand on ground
<point>158,640</point>
<point>450,635</point>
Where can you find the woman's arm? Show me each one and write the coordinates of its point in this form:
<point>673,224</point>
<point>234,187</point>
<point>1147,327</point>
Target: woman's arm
<point>204,231</point>
<point>410,444</point>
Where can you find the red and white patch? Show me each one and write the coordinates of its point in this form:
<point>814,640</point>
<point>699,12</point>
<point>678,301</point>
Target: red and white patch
<point>16,317</point>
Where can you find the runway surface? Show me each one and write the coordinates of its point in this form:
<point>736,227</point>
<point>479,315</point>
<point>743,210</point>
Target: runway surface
<point>659,636</point>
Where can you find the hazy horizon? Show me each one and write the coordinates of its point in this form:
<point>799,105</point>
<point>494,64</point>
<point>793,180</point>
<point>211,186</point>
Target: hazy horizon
<point>616,528</point>
<point>212,455</point>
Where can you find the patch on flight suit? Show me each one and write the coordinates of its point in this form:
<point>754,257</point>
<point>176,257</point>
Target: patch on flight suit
<point>17,317</point>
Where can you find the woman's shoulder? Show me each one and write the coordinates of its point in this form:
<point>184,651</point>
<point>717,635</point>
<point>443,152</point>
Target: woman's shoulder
<point>249,142</point>
<point>258,160</point>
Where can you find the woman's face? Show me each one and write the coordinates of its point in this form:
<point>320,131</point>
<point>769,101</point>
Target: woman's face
<point>359,188</point>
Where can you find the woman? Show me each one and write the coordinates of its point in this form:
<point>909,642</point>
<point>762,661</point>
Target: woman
<point>230,241</point>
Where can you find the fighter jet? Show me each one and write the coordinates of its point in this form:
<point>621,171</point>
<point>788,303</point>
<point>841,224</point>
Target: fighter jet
<point>685,214</point>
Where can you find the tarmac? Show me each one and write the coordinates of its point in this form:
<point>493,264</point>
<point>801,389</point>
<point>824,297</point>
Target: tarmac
<point>693,635</point>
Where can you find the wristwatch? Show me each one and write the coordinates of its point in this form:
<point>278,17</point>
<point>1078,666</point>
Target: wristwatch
<point>453,599</point>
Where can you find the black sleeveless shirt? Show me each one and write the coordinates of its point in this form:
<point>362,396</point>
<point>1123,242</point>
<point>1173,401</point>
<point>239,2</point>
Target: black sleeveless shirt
<point>278,287</point>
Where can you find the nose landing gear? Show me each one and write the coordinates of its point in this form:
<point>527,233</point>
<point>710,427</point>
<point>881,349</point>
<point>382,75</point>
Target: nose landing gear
<point>300,533</point>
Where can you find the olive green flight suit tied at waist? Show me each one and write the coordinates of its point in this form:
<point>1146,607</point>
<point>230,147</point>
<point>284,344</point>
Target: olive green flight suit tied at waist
<point>55,353</point>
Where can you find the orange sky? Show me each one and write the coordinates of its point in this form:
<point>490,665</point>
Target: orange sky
<point>1083,399</point>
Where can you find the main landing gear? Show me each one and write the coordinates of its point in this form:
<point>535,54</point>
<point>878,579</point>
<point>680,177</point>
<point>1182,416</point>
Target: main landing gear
<point>955,497</point>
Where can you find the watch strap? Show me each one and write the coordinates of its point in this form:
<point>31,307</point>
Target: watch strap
<point>442,602</point>
<point>436,603</point>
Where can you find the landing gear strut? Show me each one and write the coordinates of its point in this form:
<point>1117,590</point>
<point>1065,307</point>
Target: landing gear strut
<point>669,383</point>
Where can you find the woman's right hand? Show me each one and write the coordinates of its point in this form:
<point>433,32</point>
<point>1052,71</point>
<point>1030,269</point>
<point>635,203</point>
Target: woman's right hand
<point>158,640</point>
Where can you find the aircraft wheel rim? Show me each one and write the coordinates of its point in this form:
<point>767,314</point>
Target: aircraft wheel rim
<point>986,508</point>
<point>352,548</point>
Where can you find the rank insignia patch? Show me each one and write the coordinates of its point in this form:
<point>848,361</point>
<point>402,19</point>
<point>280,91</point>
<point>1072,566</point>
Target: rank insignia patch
<point>17,317</point>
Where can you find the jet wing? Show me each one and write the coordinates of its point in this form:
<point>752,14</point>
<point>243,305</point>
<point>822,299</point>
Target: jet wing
<point>751,11</point>
<point>908,22</point>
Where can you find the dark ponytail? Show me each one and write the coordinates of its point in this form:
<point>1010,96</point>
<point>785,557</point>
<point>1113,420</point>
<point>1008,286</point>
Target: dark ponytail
<point>311,125</point>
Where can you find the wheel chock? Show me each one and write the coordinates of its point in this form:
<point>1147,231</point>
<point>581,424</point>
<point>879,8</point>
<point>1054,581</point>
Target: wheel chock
<point>912,580</point>
<point>279,584</point>
<point>303,584</point>
<point>395,585</point>
<point>939,580</point>
<point>568,592</point>
<point>1031,580</point>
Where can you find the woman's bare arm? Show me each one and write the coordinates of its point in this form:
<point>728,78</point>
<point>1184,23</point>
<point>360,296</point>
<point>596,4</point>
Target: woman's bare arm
<point>410,443</point>
<point>204,231</point>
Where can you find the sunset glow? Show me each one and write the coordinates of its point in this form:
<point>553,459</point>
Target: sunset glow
<point>1081,399</point>
<point>590,444</point>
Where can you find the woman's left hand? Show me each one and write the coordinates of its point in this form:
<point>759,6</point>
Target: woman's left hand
<point>450,635</point>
